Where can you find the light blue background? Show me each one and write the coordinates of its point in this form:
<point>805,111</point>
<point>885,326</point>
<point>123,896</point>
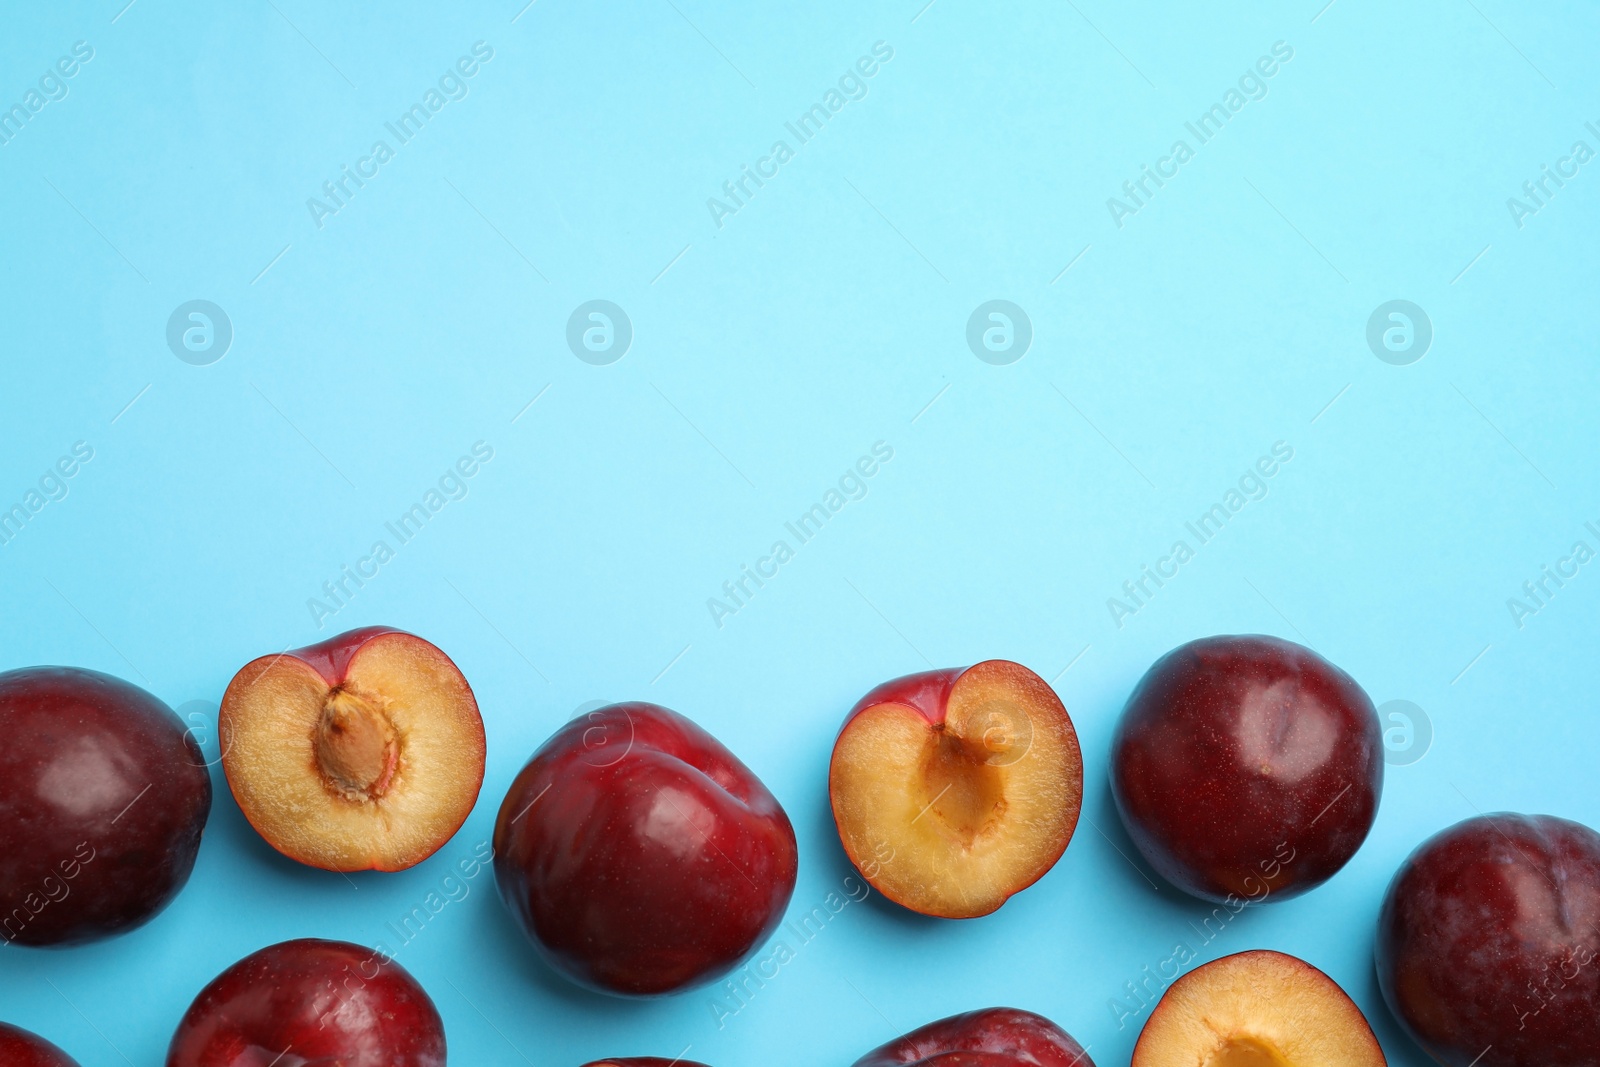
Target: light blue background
<point>827,314</point>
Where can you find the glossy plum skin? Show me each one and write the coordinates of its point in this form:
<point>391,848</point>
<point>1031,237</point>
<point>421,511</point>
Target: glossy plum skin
<point>643,1061</point>
<point>326,1002</point>
<point>991,1037</point>
<point>639,855</point>
<point>103,797</point>
<point>331,658</point>
<point>19,1048</point>
<point>1247,768</point>
<point>928,692</point>
<point>1489,939</point>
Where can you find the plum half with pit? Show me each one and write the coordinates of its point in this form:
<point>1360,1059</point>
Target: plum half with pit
<point>103,798</point>
<point>364,752</point>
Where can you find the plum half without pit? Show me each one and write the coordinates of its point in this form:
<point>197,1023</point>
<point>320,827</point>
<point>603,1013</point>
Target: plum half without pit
<point>364,752</point>
<point>953,790</point>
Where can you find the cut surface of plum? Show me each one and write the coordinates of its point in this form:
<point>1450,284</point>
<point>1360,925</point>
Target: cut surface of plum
<point>363,753</point>
<point>955,789</point>
<point>1257,1009</point>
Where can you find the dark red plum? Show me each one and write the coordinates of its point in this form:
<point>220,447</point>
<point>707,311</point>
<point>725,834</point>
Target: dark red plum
<point>1489,943</point>
<point>643,1061</point>
<point>639,855</point>
<point>103,797</point>
<point>1247,767</point>
<point>19,1048</point>
<point>310,1003</point>
<point>992,1037</point>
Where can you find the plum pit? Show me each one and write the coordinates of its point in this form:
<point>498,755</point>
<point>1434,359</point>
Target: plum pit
<point>356,745</point>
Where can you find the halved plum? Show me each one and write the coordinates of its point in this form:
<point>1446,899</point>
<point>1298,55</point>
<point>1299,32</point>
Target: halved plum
<point>955,789</point>
<point>361,753</point>
<point>1257,1009</point>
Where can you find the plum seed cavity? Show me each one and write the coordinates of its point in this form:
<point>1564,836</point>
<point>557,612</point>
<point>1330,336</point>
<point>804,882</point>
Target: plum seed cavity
<point>1240,1051</point>
<point>965,793</point>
